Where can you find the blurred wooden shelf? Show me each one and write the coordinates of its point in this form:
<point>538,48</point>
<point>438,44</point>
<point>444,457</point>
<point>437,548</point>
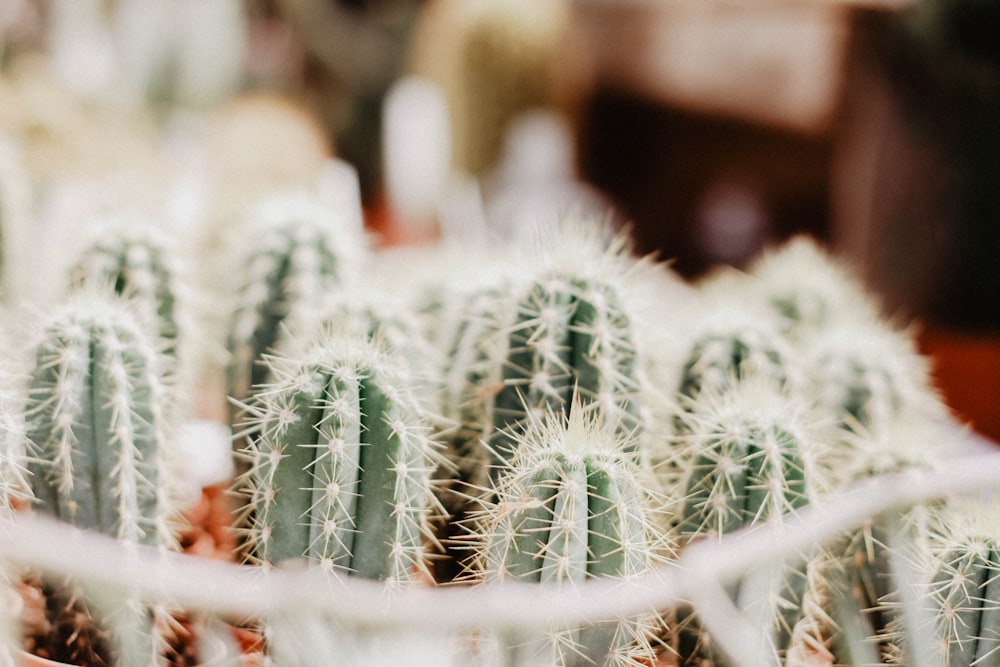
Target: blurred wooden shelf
<point>777,63</point>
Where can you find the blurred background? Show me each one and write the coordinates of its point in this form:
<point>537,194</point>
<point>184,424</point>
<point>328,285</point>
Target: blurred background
<point>713,128</point>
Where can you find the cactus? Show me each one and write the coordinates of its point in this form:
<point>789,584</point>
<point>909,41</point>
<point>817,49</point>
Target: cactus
<point>341,462</point>
<point>567,331</point>
<point>378,316</point>
<point>732,345</point>
<point>915,443</point>
<point>745,456</point>
<point>298,252</point>
<point>97,441</point>
<point>962,586</point>
<point>137,264</point>
<point>869,377</point>
<point>571,508</point>
<point>809,290</point>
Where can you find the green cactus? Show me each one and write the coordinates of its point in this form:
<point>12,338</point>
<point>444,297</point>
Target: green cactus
<point>511,358</point>
<point>963,586</point>
<point>730,346</point>
<point>383,317</point>
<point>869,377</point>
<point>865,554</point>
<point>298,253</point>
<point>745,456</point>
<point>570,508</point>
<point>137,264</point>
<point>809,290</point>
<point>97,442</point>
<point>341,462</point>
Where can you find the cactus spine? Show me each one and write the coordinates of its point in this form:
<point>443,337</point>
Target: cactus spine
<point>570,508</point>
<point>96,434</point>
<point>341,463</point>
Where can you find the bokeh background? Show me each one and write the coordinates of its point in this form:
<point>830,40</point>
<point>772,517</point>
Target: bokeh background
<point>713,128</point>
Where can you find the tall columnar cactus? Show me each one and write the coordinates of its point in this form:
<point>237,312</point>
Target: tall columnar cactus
<point>137,264</point>
<point>745,456</point>
<point>341,462</point>
<point>97,437</point>
<point>571,507</point>
<point>296,253</point>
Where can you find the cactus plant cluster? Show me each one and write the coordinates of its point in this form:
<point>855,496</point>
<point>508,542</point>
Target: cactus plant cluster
<point>795,388</point>
<point>560,420</point>
<point>558,417</point>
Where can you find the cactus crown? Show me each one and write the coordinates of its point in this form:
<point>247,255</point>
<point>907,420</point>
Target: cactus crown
<point>733,345</point>
<point>95,423</point>
<point>340,462</point>
<point>869,377</point>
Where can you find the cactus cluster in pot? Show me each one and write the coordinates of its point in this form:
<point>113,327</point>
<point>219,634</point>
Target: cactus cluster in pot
<point>574,415</point>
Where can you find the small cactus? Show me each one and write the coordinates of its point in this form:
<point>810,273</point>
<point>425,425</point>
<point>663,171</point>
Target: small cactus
<point>298,252</point>
<point>97,440</point>
<point>869,377</point>
<point>865,554</point>
<point>963,590</point>
<point>571,508</point>
<point>567,330</point>
<point>340,462</point>
<point>95,423</point>
<point>732,345</point>
<point>745,456</point>
<point>809,290</point>
<point>137,264</point>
